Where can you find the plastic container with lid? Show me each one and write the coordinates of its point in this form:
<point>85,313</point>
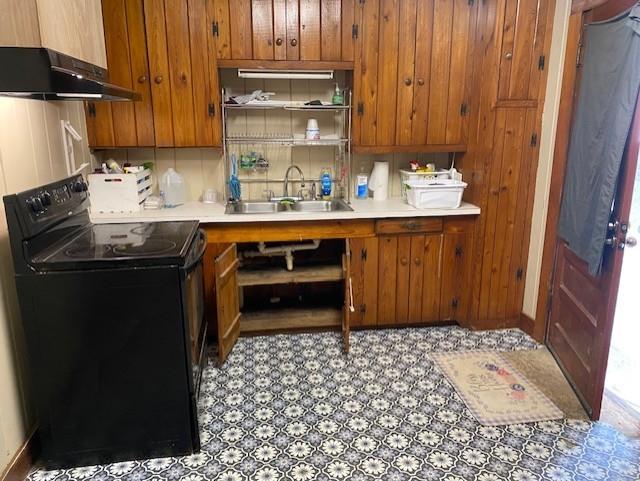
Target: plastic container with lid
<point>173,188</point>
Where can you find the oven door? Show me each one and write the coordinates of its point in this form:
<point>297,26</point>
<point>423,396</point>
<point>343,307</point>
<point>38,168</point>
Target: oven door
<point>193,302</point>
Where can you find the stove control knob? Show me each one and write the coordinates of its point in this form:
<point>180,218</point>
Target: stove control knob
<point>36,204</point>
<point>78,186</point>
<point>45,197</point>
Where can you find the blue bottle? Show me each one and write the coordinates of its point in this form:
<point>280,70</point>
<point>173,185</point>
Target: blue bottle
<point>325,182</point>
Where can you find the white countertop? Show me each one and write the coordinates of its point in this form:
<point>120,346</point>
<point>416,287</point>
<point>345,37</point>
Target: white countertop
<point>214,213</point>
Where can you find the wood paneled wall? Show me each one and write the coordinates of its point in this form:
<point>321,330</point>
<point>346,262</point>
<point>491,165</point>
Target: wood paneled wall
<point>502,156</point>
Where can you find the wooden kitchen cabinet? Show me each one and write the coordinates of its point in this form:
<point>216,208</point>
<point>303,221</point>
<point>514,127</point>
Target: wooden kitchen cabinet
<point>227,302</point>
<point>457,252</point>
<point>522,59</point>
<point>412,75</point>
<point>262,31</point>
<point>164,50</point>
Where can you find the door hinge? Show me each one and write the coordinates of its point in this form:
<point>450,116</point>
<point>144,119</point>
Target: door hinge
<point>471,2</point>
<point>454,303</point>
<point>541,61</point>
<point>519,273</point>
<point>463,109</point>
<point>91,107</point>
<point>354,30</point>
<point>534,139</point>
<point>363,254</point>
<point>212,109</point>
<point>363,308</point>
<point>215,31</point>
<point>458,251</point>
<point>360,108</point>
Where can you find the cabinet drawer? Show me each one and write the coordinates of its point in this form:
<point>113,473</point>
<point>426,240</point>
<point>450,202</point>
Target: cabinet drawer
<point>409,225</point>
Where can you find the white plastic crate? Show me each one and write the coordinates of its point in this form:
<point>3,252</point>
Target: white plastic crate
<point>435,193</point>
<point>407,175</point>
<point>116,193</point>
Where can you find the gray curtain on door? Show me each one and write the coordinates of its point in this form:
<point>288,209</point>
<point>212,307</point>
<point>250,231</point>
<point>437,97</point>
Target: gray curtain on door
<point>606,103</point>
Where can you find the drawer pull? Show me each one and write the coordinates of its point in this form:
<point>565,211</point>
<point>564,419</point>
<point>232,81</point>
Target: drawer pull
<point>410,225</point>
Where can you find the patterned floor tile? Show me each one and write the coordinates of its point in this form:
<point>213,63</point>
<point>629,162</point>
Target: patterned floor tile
<point>294,407</point>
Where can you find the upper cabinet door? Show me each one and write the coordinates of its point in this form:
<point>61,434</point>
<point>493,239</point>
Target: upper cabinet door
<point>183,73</point>
<point>284,30</point>
<point>412,73</point>
<point>522,54</point>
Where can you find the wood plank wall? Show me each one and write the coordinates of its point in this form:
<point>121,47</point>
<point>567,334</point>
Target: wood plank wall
<point>501,164</point>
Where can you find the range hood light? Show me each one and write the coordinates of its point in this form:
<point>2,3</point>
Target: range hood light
<point>76,96</point>
<point>285,74</point>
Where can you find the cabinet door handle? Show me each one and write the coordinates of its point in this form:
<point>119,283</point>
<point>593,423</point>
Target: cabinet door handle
<point>508,55</point>
<point>403,261</point>
<point>294,42</point>
<point>278,41</point>
<point>158,79</point>
<point>183,77</point>
<point>407,81</point>
<point>142,79</point>
<point>420,81</point>
<point>410,225</point>
<point>418,261</point>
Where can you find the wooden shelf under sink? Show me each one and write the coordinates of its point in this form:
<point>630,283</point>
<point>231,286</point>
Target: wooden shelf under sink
<point>290,319</point>
<point>278,275</point>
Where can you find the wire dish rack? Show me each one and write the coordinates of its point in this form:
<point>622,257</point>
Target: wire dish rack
<point>337,144</point>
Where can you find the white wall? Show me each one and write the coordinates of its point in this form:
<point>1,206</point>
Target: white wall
<point>545,162</point>
<point>31,154</point>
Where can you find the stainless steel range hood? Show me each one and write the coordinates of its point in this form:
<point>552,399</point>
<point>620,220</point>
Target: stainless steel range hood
<point>44,74</point>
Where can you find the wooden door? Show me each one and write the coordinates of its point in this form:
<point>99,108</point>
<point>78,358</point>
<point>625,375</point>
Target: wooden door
<point>457,255</point>
<point>413,68</point>
<point>522,54</point>
<point>364,275</point>
<point>227,303</point>
<point>109,124</point>
<point>182,66</point>
<point>348,307</point>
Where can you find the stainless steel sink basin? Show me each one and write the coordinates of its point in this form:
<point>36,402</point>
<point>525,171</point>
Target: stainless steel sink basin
<point>249,207</point>
<point>265,207</point>
<point>321,206</point>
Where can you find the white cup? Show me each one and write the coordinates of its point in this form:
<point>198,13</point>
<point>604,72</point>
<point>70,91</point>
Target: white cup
<point>209,196</point>
<point>313,131</point>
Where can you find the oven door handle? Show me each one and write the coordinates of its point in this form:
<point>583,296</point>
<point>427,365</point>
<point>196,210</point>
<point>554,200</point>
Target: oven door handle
<point>203,239</point>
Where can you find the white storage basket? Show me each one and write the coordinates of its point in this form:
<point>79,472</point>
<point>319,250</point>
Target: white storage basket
<point>435,193</point>
<point>116,193</point>
<point>407,175</point>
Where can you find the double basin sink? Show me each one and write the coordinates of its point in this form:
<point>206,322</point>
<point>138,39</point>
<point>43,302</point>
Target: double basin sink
<point>273,207</point>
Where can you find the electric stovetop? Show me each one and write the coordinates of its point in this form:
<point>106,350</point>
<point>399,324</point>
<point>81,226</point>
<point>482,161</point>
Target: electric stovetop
<point>146,243</point>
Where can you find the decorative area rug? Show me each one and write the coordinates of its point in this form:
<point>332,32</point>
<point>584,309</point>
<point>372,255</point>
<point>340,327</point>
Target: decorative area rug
<point>295,408</point>
<point>493,390</point>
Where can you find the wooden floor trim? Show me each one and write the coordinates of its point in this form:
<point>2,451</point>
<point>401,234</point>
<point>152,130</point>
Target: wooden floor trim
<point>23,461</point>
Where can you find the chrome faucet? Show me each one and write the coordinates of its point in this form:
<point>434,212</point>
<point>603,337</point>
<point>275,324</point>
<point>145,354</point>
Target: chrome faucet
<point>285,191</point>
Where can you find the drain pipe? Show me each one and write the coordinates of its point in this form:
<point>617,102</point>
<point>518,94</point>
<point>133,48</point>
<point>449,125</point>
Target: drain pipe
<point>284,250</point>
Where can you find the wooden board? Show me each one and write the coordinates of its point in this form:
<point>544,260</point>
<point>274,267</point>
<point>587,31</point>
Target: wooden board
<point>387,72</point>
<point>291,319</point>
<point>309,40</point>
<point>409,225</point>
<point>219,13</point>
<point>406,80</point>
<point>331,31</point>
<point>299,275</point>
<point>293,30</point>
<point>364,274</point>
<point>387,276</point>
<point>227,303</point>
<point>262,29</point>
<point>240,30</point>
<point>288,230</point>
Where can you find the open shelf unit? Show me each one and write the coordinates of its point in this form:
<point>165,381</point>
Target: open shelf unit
<point>340,141</point>
<point>257,322</point>
<point>279,275</point>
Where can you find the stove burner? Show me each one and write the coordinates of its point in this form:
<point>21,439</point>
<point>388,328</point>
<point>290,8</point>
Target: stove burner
<point>84,251</point>
<point>150,247</point>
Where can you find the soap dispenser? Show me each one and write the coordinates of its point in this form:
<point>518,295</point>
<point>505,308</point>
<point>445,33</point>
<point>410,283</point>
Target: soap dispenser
<point>338,98</point>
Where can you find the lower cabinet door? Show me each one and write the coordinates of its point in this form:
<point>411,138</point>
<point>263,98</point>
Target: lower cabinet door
<point>456,291</point>
<point>348,307</point>
<point>364,281</point>
<point>227,303</point>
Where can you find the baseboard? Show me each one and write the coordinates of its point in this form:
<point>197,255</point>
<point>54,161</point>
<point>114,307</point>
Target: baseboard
<point>23,460</point>
<point>527,324</point>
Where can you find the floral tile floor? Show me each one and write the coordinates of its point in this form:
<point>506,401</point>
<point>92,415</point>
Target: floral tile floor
<point>293,407</point>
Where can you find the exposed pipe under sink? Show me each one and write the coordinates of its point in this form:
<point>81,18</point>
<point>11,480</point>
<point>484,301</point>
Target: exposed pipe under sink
<point>286,250</point>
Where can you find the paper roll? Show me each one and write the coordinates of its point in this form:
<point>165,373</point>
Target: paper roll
<point>379,180</point>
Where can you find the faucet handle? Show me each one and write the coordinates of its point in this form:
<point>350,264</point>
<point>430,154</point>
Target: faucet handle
<point>270,194</point>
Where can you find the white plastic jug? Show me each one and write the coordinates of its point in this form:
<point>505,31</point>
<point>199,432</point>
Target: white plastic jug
<point>172,188</point>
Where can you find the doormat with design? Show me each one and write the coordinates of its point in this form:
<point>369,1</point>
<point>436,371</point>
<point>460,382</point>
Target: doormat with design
<point>493,390</point>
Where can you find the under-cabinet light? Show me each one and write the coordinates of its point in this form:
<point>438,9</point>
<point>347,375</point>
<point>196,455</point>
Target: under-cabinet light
<point>285,74</point>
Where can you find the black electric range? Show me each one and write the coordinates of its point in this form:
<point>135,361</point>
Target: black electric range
<point>113,316</point>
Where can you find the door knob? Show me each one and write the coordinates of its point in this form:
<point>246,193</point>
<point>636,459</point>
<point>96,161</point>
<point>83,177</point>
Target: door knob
<point>403,261</point>
<point>508,55</point>
<point>142,79</point>
<point>294,42</point>
<point>158,79</point>
<point>420,81</point>
<point>407,81</point>
<point>278,41</point>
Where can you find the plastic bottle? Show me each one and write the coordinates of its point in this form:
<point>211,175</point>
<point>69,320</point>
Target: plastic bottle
<point>338,98</point>
<point>362,184</point>
<point>325,182</point>
<point>172,188</point>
